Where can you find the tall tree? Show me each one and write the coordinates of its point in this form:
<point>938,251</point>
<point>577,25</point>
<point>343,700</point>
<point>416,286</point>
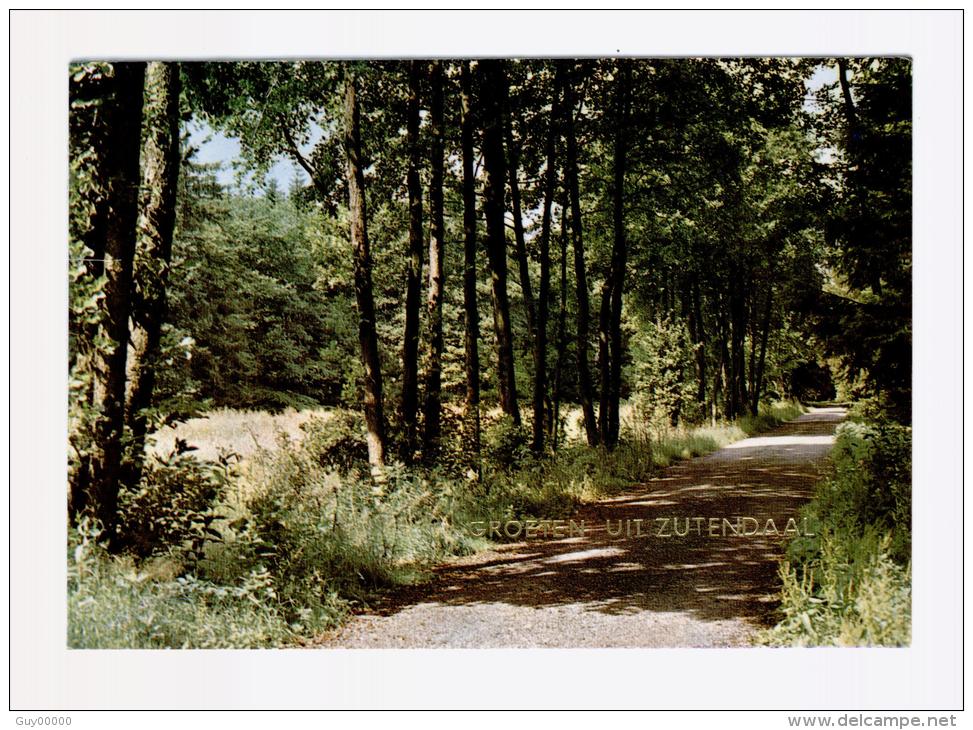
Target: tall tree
<point>520,241</point>
<point>367,337</point>
<point>434,300</point>
<point>410,343</point>
<point>117,94</point>
<point>544,293</point>
<point>869,227</point>
<point>493,92</point>
<point>153,250</point>
<point>580,269</point>
<point>471,310</point>
<point>610,331</point>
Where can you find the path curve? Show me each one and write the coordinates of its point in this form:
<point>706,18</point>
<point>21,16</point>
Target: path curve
<point>599,590</point>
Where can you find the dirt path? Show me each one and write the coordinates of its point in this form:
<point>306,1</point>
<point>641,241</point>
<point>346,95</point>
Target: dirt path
<point>600,590</point>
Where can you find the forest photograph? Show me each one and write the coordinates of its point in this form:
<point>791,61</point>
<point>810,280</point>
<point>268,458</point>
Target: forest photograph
<point>489,353</point>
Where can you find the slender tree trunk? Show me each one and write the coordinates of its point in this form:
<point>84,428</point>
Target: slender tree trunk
<point>410,345</point>
<point>561,332</point>
<point>153,249</point>
<point>699,340</point>
<point>619,255</point>
<point>123,115</point>
<point>437,282</point>
<point>540,337</point>
<point>472,329</point>
<point>604,356</point>
<point>494,164</point>
<point>850,112</point>
<point>367,337</point>
<point>761,361</point>
<point>523,267</point>
<point>580,272</point>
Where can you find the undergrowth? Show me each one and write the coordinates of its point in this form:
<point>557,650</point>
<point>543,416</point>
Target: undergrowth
<point>849,583</point>
<point>273,551</point>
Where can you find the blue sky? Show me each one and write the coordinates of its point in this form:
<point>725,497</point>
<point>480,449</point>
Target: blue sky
<point>215,146</point>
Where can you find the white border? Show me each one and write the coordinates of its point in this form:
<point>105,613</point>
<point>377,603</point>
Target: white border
<point>47,676</point>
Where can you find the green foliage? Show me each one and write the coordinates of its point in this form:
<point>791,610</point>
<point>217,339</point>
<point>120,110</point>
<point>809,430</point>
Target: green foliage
<point>114,604</point>
<point>849,583</point>
<point>263,328</point>
<point>506,444</point>
<point>663,379</point>
<point>770,416</point>
<point>867,314</point>
<point>338,442</point>
<point>173,507</point>
<point>852,594</point>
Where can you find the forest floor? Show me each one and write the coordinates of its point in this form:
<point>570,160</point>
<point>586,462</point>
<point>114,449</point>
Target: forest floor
<point>597,589</point>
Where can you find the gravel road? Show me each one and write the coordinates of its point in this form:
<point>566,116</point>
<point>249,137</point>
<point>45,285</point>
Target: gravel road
<point>682,582</point>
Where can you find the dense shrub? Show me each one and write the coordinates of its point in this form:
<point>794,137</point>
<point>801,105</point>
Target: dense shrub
<point>850,582</point>
<point>173,505</point>
<point>114,603</point>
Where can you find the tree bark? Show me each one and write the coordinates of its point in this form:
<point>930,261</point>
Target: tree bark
<point>470,307</point>
<point>580,273</point>
<point>619,255</point>
<point>153,248</point>
<point>540,335</point>
<point>604,356</point>
<point>434,300</point>
<point>367,337</point>
<point>123,115</point>
<point>762,359</point>
<point>850,112</point>
<point>410,346</point>
<point>699,340</point>
<point>494,164</point>
<point>561,332</point>
<point>523,267</point>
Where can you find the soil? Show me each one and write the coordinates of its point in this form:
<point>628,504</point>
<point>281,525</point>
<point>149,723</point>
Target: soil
<point>714,584</point>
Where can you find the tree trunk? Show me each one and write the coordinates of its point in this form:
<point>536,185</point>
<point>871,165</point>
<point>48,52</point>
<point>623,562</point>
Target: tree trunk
<point>410,346</point>
<point>540,336</point>
<point>519,240</point>
<point>561,332</point>
<point>699,340</point>
<point>761,361</point>
<point>123,115</point>
<point>494,164</point>
<point>153,248</point>
<point>367,337</point>
<point>580,273</point>
<point>604,355</point>
<point>472,329</point>
<point>850,113</point>
<point>434,300</point>
<point>619,256</point>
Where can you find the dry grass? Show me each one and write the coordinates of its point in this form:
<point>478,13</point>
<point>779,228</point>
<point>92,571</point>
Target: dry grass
<point>238,432</point>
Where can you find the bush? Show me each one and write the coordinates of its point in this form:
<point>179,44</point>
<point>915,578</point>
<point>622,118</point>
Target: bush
<point>113,604</point>
<point>850,582</point>
<point>173,506</point>
<point>338,442</point>
<point>321,534</point>
<point>852,593</point>
<point>506,444</point>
